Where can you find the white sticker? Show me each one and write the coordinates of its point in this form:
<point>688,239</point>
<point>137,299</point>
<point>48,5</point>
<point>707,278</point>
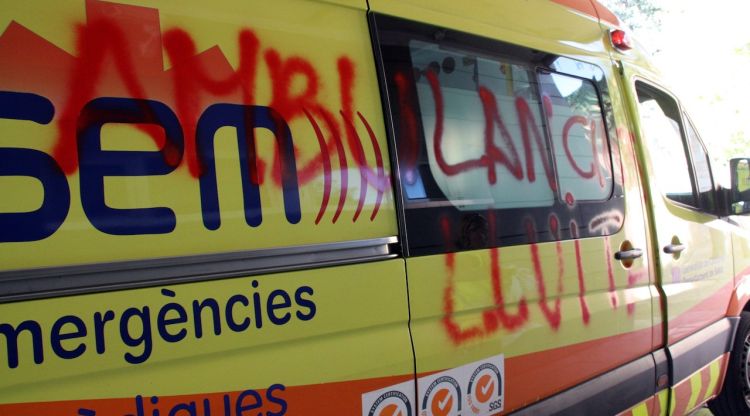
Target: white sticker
<point>395,400</point>
<point>475,389</point>
<point>470,390</point>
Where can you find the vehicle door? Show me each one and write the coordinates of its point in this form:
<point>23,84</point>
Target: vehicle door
<point>691,243</point>
<point>518,195</point>
<point>195,215</point>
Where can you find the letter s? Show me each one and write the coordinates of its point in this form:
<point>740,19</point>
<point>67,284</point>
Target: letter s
<point>276,400</point>
<point>42,223</point>
<point>307,303</point>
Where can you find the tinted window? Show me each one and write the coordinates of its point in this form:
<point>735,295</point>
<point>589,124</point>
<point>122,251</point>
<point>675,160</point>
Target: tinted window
<point>662,129</point>
<point>702,166</point>
<point>581,153</point>
<point>681,167</point>
<point>496,144</point>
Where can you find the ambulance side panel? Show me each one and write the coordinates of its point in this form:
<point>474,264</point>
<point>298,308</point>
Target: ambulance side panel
<point>197,215</point>
<point>691,243</point>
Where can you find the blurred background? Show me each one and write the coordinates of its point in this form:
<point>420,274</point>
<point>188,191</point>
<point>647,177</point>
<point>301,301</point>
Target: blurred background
<point>703,50</point>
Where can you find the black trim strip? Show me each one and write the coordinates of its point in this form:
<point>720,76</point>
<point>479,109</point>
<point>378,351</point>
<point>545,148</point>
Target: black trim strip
<point>626,386</point>
<point>395,170</point>
<point>385,99</point>
<point>422,219</point>
<point>608,394</point>
<point>661,359</point>
<point>698,350</point>
<point>18,285</point>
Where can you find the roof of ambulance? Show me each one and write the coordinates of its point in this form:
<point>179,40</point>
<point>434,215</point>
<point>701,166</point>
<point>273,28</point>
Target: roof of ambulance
<point>576,28</point>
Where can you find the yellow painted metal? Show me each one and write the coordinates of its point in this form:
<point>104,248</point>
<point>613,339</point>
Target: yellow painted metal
<point>315,38</point>
<point>332,325</point>
<point>359,329</point>
<point>705,268</point>
<point>456,315</point>
<point>514,21</point>
<point>356,330</point>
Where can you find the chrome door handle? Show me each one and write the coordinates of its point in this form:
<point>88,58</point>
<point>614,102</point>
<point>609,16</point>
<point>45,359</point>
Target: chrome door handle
<point>674,248</point>
<point>629,254</point>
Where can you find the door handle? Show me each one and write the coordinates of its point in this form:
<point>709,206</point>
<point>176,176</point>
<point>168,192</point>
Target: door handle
<point>674,248</point>
<point>631,254</point>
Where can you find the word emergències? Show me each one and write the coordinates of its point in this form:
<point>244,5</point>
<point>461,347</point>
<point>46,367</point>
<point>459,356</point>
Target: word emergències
<point>137,328</point>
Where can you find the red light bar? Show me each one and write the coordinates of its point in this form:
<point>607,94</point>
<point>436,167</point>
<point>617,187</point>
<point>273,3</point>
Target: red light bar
<point>621,40</point>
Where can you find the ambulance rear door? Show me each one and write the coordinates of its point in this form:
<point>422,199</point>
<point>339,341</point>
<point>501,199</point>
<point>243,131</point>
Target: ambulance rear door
<point>522,213</point>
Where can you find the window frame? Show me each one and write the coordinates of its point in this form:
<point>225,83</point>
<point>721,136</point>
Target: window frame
<point>684,121</point>
<point>703,208</point>
<point>399,32</point>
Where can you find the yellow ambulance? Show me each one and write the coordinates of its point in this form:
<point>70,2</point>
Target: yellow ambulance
<point>358,207</point>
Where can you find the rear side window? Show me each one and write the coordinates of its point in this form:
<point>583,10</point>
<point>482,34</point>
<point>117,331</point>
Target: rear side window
<point>702,164</point>
<point>662,128</point>
<point>496,144</point>
<point>681,166</point>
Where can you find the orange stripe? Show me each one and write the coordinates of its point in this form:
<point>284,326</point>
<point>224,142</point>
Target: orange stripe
<point>736,303</point>
<point>682,394</point>
<point>654,409</point>
<point>705,381</point>
<point>528,381</point>
<point>534,376</point>
<point>591,8</point>
<point>341,398</point>
<point>722,373</point>
<point>706,312</point>
<point>582,6</point>
<point>605,14</point>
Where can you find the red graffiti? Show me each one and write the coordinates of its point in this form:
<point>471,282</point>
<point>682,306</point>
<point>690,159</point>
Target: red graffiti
<point>570,200</point>
<point>117,58</point>
<point>510,321</point>
<point>492,318</point>
<point>95,42</point>
<point>343,165</point>
<point>552,315</point>
<point>507,156</point>
<point>190,77</point>
<point>566,137</point>
<point>326,167</point>
<point>493,154</point>
<point>409,144</point>
<point>283,72</point>
<point>526,119</point>
<point>633,278</point>
<point>498,316</point>
<point>378,162</point>
<point>359,155</point>
<point>614,300</point>
<point>595,166</point>
<point>586,315</point>
<point>456,333</point>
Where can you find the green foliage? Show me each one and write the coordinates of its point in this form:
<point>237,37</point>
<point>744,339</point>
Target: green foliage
<point>743,51</point>
<point>636,13</point>
<point>738,146</point>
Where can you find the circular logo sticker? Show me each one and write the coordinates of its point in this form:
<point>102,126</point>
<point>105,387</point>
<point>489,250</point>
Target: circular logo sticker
<point>442,397</point>
<point>391,403</point>
<point>442,403</point>
<point>485,390</point>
